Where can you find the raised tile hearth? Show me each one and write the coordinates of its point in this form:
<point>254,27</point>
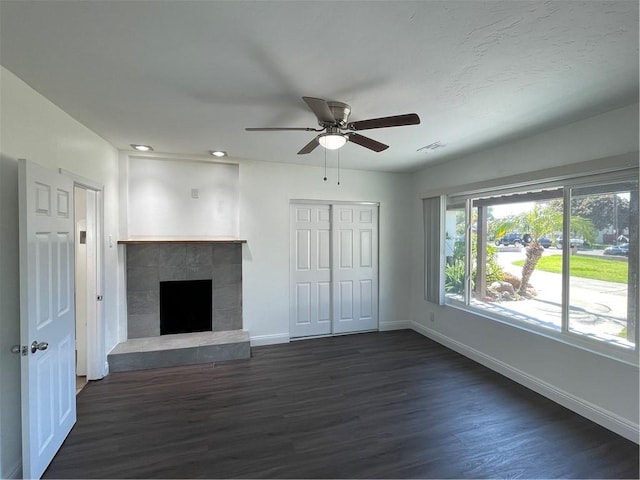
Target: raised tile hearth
<point>180,349</point>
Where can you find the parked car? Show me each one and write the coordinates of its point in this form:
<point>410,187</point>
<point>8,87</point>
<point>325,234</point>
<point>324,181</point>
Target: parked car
<point>513,239</point>
<point>622,249</point>
<point>545,241</point>
<point>573,242</point>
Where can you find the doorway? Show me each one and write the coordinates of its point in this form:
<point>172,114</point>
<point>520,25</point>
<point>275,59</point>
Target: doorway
<point>334,268</point>
<point>88,281</point>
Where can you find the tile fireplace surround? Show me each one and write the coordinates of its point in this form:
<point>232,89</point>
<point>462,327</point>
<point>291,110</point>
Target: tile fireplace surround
<point>150,262</point>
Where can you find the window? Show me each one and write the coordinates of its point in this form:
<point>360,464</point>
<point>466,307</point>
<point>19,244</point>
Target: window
<point>561,258</point>
<point>604,306</point>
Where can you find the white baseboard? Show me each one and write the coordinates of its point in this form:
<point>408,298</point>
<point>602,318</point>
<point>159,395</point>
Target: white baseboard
<point>399,325</point>
<point>258,340</point>
<point>593,412</point>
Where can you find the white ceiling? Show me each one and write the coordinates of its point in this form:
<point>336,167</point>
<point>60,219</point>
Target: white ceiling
<point>189,76</point>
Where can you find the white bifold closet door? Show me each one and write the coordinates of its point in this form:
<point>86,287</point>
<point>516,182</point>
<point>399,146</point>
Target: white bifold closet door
<point>354,267</point>
<point>310,270</point>
<point>334,269</point>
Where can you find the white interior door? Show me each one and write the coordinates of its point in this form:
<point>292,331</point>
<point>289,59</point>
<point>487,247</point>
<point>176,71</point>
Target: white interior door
<point>86,286</point>
<point>310,270</point>
<point>81,287</point>
<point>47,320</point>
<point>93,335</point>
<point>355,268</point>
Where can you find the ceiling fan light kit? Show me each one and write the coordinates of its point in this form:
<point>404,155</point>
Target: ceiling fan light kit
<point>331,140</point>
<point>333,117</point>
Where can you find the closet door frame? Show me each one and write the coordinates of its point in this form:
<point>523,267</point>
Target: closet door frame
<point>338,282</point>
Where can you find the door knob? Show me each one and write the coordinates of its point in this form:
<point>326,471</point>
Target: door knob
<point>35,346</point>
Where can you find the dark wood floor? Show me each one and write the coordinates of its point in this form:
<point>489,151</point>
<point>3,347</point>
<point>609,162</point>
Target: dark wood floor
<point>393,405</point>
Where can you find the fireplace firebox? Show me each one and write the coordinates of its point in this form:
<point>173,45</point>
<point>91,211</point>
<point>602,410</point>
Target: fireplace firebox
<point>185,306</point>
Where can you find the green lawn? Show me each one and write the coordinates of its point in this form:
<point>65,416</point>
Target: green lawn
<point>586,267</point>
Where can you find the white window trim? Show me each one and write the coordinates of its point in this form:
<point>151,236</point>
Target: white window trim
<point>615,169</point>
<point>627,356</point>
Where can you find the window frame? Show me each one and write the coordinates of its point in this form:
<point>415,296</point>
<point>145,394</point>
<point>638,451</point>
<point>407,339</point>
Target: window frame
<point>523,189</point>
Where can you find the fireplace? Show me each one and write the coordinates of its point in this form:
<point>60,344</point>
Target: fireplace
<point>212,268</point>
<point>185,306</point>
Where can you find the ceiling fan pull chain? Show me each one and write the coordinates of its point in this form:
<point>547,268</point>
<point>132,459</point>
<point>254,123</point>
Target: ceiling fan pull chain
<point>338,167</point>
<point>325,164</point>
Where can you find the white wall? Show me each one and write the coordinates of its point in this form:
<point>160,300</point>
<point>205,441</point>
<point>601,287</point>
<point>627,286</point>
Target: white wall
<point>10,447</point>
<point>161,204</point>
<point>600,388</point>
<point>34,128</point>
<point>265,192</point>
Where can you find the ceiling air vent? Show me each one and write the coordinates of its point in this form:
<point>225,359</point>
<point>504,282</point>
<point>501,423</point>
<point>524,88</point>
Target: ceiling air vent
<point>431,147</point>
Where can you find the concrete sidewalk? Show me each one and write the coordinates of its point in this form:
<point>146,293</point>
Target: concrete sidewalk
<point>597,308</point>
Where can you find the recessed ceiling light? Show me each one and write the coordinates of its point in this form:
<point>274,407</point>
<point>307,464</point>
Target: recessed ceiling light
<point>142,148</point>
<point>218,153</point>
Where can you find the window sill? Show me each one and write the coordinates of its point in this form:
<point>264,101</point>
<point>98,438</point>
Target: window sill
<point>620,353</point>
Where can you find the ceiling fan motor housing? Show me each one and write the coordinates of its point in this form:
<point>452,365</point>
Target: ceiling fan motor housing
<point>340,112</point>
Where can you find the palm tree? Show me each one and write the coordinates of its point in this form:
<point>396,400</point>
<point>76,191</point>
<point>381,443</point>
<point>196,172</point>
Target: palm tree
<point>537,222</point>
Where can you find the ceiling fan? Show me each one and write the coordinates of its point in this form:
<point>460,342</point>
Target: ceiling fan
<point>333,117</point>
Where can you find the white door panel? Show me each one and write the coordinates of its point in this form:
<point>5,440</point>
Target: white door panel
<point>345,249</point>
<point>324,302</point>
<point>310,271</point>
<point>345,301</point>
<point>324,250</point>
<point>303,250</point>
<point>46,314</point>
<point>303,303</point>
<point>366,249</point>
<point>366,299</point>
<point>355,273</point>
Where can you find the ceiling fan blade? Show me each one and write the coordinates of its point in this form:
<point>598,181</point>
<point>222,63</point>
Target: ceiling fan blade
<point>320,108</point>
<point>367,142</point>
<point>383,122</point>
<point>309,147</point>
<point>282,129</point>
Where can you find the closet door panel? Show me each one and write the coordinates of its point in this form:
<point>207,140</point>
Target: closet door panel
<point>310,299</point>
<point>355,242</point>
